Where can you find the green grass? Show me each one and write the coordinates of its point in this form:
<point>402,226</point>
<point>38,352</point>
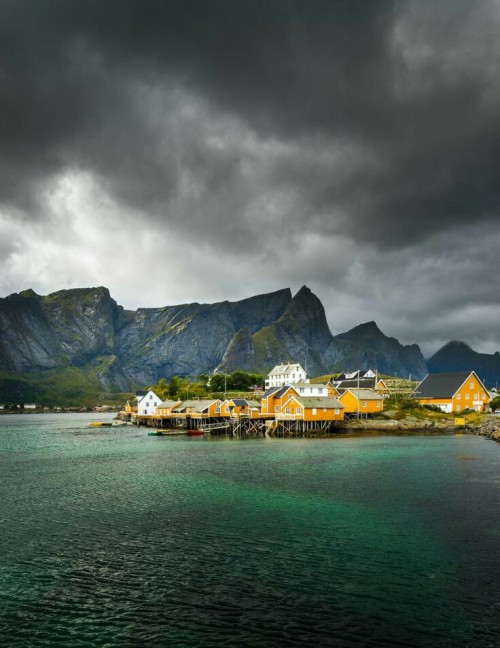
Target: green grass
<point>65,387</point>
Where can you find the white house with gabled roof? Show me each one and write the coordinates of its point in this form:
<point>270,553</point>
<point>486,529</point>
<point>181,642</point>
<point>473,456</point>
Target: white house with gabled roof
<point>148,403</point>
<point>286,374</point>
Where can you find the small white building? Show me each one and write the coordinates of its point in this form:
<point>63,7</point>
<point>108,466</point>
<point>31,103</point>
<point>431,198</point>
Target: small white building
<point>30,406</point>
<point>286,374</point>
<point>311,389</point>
<point>148,403</point>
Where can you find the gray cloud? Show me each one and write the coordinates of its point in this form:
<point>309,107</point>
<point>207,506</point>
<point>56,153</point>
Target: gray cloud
<point>321,141</point>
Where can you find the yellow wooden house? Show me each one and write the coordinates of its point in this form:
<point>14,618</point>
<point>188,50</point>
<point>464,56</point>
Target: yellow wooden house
<point>236,407</point>
<point>273,399</point>
<point>311,408</point>
<point>362,401</point>
<point>453,391</point>
<point>203,408</point>
<point>165,408</point>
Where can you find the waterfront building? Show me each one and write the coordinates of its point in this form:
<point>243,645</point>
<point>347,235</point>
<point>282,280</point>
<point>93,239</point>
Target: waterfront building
<point>239,407</point>
<point>165,408</point>
<point>273,399</point>
<point>311,408</point>
<point>453,391</point>
<point>361,401</point>
<point>211,408</point>
<point>148,403</point>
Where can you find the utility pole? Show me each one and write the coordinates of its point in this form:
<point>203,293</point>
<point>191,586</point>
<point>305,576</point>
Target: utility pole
<point>357,415</point>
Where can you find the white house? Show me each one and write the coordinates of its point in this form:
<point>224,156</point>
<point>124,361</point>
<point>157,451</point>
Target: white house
<point>286,374</point>
<point>311,389</point>
<point>148,403</point>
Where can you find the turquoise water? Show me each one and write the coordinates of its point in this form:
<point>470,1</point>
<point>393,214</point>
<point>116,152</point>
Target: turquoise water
<point>112,538</point>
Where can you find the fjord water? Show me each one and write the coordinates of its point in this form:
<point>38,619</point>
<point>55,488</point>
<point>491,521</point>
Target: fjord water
<point>109,537</point>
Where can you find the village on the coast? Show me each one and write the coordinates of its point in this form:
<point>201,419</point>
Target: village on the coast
<point>293,405</point>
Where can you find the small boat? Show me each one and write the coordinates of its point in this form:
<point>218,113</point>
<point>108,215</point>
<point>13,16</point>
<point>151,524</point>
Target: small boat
<point>100,424</point>
<point>196,432</point>
<point>162,432</point>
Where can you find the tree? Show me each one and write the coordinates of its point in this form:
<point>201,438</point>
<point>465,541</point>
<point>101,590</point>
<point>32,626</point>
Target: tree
<point>176,384</point>
<point>495,403</point>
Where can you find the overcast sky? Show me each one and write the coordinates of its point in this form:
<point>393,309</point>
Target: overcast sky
<point>201,150</point>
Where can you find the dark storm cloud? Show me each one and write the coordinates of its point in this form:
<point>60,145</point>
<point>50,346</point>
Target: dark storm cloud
<point>354,146</point>
<point>387,143</point>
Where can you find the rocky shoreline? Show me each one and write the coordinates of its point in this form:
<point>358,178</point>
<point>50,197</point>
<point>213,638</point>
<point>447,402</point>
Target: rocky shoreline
<point>489,426</point>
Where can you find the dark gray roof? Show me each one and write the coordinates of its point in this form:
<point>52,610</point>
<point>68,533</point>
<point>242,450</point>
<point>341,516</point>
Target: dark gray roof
<point>442,385</point>
<point>240,402</point>
<point>270,391</point>
<point>283,391</point>
<point>363,383</point>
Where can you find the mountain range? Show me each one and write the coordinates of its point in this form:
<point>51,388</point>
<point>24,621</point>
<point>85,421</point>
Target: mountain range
<point>82,340</point>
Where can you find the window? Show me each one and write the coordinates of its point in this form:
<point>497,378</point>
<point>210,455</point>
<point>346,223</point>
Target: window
<point>287,410</point>
<point>459,396</point>
<point>378,403</point>
<point>301,390</point>
<point>457,408</point>
<point>471,386</point>
<point>150,396</point>
<point>484,396</point>
<point>336,410</point>
<point>299,411</point>
<point>364,403</point>
<point>466,396</point>
<point>314,411</point>
<point>217,410</point>
<point>276,408</point>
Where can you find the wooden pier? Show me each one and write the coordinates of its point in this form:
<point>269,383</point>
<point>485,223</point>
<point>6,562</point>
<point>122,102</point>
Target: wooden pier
<point>241,427</point>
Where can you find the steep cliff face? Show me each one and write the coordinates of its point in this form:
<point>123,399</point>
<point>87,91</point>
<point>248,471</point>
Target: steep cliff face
<point>301,334</point>
<point>85,330</point>
<point>191,339</point>
<point>26,337</point>
<point>458,356</point>
<point>366,346</point>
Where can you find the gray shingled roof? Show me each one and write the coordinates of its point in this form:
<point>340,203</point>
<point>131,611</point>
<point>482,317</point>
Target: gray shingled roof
<point>319,402</point>
<point>365,394</point>
<point>196,405</point>
<point>168,403</point>
<point>442,385</point>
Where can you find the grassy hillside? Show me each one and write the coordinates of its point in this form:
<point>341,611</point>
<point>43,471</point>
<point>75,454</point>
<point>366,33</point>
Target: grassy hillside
<point>65,387</point>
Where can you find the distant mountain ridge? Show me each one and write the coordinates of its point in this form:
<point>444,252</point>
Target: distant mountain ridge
<point>458,356</point>
<point>83,336</point>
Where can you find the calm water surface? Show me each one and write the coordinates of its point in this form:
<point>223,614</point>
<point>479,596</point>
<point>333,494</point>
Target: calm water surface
<point>112,538</point>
